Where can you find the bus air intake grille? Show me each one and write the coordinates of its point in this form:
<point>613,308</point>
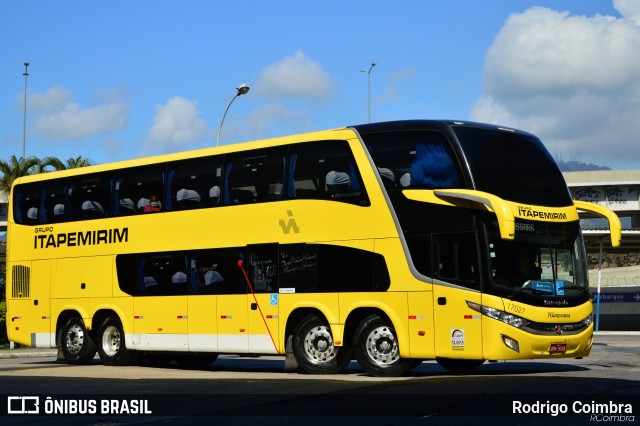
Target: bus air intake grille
<point>551,329</point>
<point>20,282</point>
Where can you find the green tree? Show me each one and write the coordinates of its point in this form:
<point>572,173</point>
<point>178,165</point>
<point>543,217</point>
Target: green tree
<point>79,161</point>
<point>15,168</point>
<point>72,163</point>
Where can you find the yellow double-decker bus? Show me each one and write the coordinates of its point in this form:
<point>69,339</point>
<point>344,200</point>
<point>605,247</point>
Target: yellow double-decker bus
<point>390,243</point>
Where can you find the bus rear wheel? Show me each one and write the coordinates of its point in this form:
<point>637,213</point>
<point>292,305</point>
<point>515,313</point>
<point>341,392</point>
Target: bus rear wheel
<point>314,348</point>
<point>111,344</point>
<point>459,365</point>
<point>377,349</point>
<point>76,344</point>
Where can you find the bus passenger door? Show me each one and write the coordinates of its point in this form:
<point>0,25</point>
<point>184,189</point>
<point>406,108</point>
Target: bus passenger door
<point>263,303</point>
<point>458,328</point>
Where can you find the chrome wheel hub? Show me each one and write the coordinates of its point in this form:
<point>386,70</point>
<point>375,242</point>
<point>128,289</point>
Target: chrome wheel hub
<point>318,345</point>
<point>382,346</point>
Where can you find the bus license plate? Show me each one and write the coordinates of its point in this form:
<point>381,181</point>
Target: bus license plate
<point>558,348</point>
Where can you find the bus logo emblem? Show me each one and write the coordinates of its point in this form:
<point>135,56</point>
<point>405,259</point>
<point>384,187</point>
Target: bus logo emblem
<point>291,224</point>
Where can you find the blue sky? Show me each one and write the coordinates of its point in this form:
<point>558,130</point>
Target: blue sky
<point>123,79</point>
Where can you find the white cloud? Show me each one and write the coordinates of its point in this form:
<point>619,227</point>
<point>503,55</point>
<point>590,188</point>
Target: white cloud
<point>176,124</point>
<point>58,117</point>
<point>267,116</point>
<point>265,121</point>
<point>295,76</point>
<point>55,98</point>
<point>572,80</point>
<point>629,9</point>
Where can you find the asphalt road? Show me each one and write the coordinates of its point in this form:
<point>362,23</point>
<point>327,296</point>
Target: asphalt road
<point>257,391</point>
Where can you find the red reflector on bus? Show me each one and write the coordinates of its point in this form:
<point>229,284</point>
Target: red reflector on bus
<point>421,333</point>
<point>412,317</point>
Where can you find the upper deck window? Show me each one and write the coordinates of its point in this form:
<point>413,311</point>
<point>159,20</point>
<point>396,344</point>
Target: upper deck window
<point>325,170</point>
<point>194,183</point>
<point>255,176</point>
<point>414,159</point>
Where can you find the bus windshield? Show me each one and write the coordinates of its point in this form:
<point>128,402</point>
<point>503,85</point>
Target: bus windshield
<point>546,260</point>
<point>513,166</point>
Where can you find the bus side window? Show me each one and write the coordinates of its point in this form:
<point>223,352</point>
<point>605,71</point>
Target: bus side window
<point>325,170</point>
<point>54,201</point>
<point>26,199</point>
<point>190,183</point>
<point>127,272</point>
<point>163,275</point>
<point>347,269</point>
<point>216,271</point>
<point>457,259</point>
<point>136,186</point>
<point>255,176</point>
<point>262,267</point>
<point>418,159</point>
<point>90,196</point>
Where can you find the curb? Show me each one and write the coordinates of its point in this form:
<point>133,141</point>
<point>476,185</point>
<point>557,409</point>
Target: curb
<point>28,353</point>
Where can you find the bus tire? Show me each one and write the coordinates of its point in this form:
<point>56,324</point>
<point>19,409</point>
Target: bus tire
<point>377,349</point>
<point>76,343</point>
<point>314,348</point>
<point>111,344</point>
<point>459,365</point>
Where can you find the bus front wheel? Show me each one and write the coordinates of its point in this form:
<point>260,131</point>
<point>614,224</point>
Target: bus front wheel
<point>377,349</point>
<point>314,348</point>
<point>76,344</point>
<point>111,344</point>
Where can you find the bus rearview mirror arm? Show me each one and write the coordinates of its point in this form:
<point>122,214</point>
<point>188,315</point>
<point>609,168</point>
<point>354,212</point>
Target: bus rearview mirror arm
<point>615,227</point>
<point>470,198</point>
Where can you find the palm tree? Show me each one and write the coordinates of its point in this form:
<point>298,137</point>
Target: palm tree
<point>79,161</point>
<point>15,168</point>
<point>72,163</point>
<point>53,162</point>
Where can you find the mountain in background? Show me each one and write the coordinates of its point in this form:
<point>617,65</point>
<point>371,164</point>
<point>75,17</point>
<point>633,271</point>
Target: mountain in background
<point>579,166</point>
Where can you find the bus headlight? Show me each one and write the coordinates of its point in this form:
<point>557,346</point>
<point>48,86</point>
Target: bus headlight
<point>507,318</point>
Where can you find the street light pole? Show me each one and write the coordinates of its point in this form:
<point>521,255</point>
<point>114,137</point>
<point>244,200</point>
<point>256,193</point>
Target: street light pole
<point>24,126</point>
<point>373,64</point>
<point>243,89</point>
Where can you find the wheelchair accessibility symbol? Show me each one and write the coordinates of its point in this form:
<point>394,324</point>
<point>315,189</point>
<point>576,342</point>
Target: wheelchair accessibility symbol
<point>273,300</point>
